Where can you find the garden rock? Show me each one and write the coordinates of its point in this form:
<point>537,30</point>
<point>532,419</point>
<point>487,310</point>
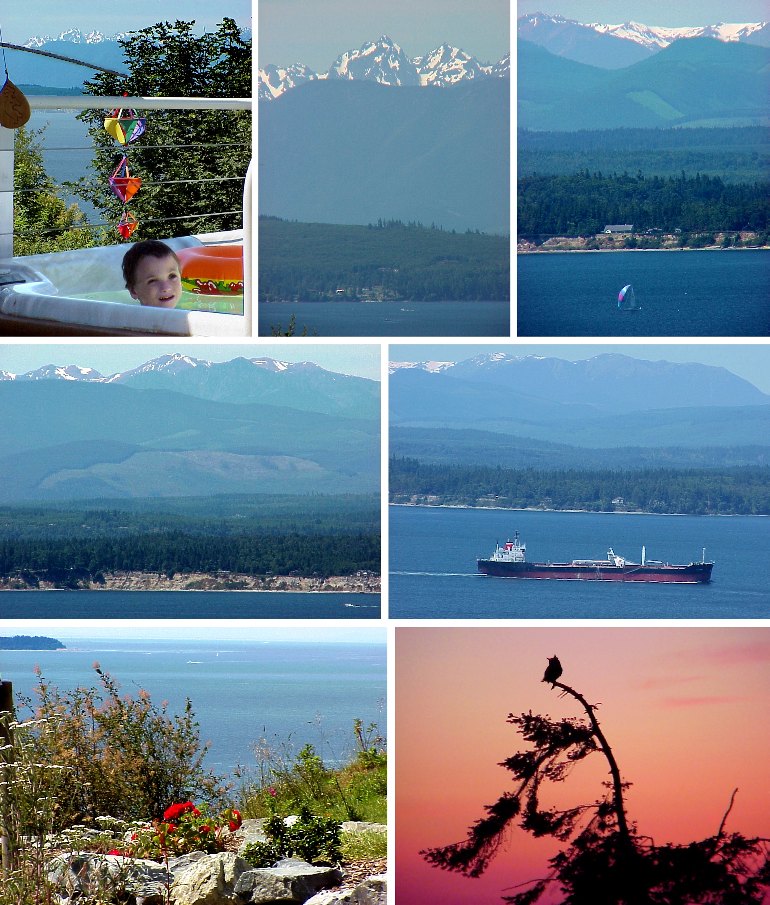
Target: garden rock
<point>289,881</point>
<point>77,875</point>
<point>372,891</point>
<point>210,880</point>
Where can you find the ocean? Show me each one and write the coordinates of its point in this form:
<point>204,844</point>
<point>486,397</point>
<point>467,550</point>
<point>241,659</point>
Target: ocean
<point>681,293</point>
<point>241,691</point>
<point>388,318</point>
<point>187,605</point>
<point>433,574</point>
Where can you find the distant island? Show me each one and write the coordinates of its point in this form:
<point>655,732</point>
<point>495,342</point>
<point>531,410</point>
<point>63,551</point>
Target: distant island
<point>30,642</point>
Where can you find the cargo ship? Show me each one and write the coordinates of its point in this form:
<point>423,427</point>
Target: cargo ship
<point>510,561</point>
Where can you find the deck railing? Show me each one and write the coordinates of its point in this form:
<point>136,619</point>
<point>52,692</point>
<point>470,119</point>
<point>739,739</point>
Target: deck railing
<point>83,102</point>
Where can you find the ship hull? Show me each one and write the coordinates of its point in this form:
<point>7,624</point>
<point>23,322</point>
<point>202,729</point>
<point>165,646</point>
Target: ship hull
<point>694,573</point>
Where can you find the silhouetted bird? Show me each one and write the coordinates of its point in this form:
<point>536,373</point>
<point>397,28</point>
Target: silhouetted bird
<point>553,670</point>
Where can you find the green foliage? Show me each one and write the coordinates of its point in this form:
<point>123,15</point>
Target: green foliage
<point>183,829</point>
<point>290,780</point>
<point>584,203</point>
<point>42,222</point>
<point>123,756</point>
<point>368,845</point>
<point>317,535</point>
<point>390,260</point>
<point>315,840</point>
<point>692,491</point>
<point>192,163</point>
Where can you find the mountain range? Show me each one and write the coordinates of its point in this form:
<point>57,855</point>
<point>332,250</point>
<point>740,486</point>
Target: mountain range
<point>89,47</point>
<point>180,426</point>
<point>503,409</point>
<point>383,61</point>
<point>618,46</point>
<point>694,82</point>
<point>352,152</point>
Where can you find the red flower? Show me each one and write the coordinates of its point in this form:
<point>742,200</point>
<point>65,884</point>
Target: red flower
<point>205,829</point>
<point>176,810</point>
<point>235,821</point>
<point>115,851</point>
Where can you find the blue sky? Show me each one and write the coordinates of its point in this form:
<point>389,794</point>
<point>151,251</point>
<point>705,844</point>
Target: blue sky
<point>652,12</point>
<point>112,356</point>
<point>20,21</point>
<point>748,360</point>
<point>315,32</point>
<point>190,630</point>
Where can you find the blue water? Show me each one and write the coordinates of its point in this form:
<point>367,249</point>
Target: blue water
<point>240,691</point>
<point>433,554</point>
<point>67,151</point>
<point>681,293</point>
<point>187,605</point>
<point>388,318</point>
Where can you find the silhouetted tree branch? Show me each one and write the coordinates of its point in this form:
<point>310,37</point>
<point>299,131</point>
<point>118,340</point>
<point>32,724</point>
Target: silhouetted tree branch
<point>606,862</point>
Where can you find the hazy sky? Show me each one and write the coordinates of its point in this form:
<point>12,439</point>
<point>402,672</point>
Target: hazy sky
<point>316,32</point>
<point>19,21</point>
<point>748,360</point>
<point>258,631</point>
<point>683,709</point>
<point>110,356</point>
<point>652,12</point>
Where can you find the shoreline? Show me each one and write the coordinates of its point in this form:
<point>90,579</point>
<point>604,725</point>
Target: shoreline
<point>577,511</point>
<point>524,250</point>
<point>360,583</point>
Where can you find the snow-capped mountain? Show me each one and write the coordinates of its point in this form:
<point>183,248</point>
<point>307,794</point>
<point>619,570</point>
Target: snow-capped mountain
<point>618,46</point>
<point>169,365</point>
<point>432,367</point>
<point>56,372</point>
<point>274,80</point>
<point>73,36</point>
<point>380,61</point>
<point>385,62</point>
<point>658,37</point>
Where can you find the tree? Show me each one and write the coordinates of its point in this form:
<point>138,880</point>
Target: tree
<point>606,861</point>
<point>42,222</point>
<point>192,163</point>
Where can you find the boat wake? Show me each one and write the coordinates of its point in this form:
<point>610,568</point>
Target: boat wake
<point>440,574</point>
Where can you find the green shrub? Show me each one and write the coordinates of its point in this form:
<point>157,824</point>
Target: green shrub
<point>124,756</point>
<point>312,839</point>
<point>290,780</point>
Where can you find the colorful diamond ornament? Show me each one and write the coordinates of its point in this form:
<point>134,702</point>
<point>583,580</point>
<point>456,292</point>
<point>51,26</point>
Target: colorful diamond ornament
<point>125,126</point>
<point>122,183</point>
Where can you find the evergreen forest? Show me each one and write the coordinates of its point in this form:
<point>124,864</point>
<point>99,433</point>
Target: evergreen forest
<point>389,260</point>
<point>690,491</point>
<point>584,203</point>
<point>689,182</point>
<point>272,535</point>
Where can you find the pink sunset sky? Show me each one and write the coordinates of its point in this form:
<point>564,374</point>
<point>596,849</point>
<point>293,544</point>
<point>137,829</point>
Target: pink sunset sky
<point>684,709</point>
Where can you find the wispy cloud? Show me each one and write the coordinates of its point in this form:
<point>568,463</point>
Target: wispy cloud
<point>703,701</point>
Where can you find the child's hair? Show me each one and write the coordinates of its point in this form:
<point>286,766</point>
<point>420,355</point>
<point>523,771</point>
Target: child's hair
<point>146,248</point>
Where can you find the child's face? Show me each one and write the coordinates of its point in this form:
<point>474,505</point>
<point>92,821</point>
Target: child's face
<point>157,282</point>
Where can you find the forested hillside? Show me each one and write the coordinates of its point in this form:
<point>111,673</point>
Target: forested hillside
<point>729,491</point>
<point>735,155</point>
<point>584,203</point>
<point>252,535</point>
<point>388,260</point>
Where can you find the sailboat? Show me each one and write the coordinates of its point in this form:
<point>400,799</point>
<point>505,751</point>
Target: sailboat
<point>627,299</point>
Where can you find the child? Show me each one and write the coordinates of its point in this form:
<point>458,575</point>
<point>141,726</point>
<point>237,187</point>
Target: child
<point>152,274</point>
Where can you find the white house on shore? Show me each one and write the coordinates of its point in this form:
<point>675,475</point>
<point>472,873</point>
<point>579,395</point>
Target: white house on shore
<point>614,228</point>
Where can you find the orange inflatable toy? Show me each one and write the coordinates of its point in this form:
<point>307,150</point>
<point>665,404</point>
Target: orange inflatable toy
<point>212,269</point>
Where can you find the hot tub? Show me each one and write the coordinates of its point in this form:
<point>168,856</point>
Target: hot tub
<point>80,293</point>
